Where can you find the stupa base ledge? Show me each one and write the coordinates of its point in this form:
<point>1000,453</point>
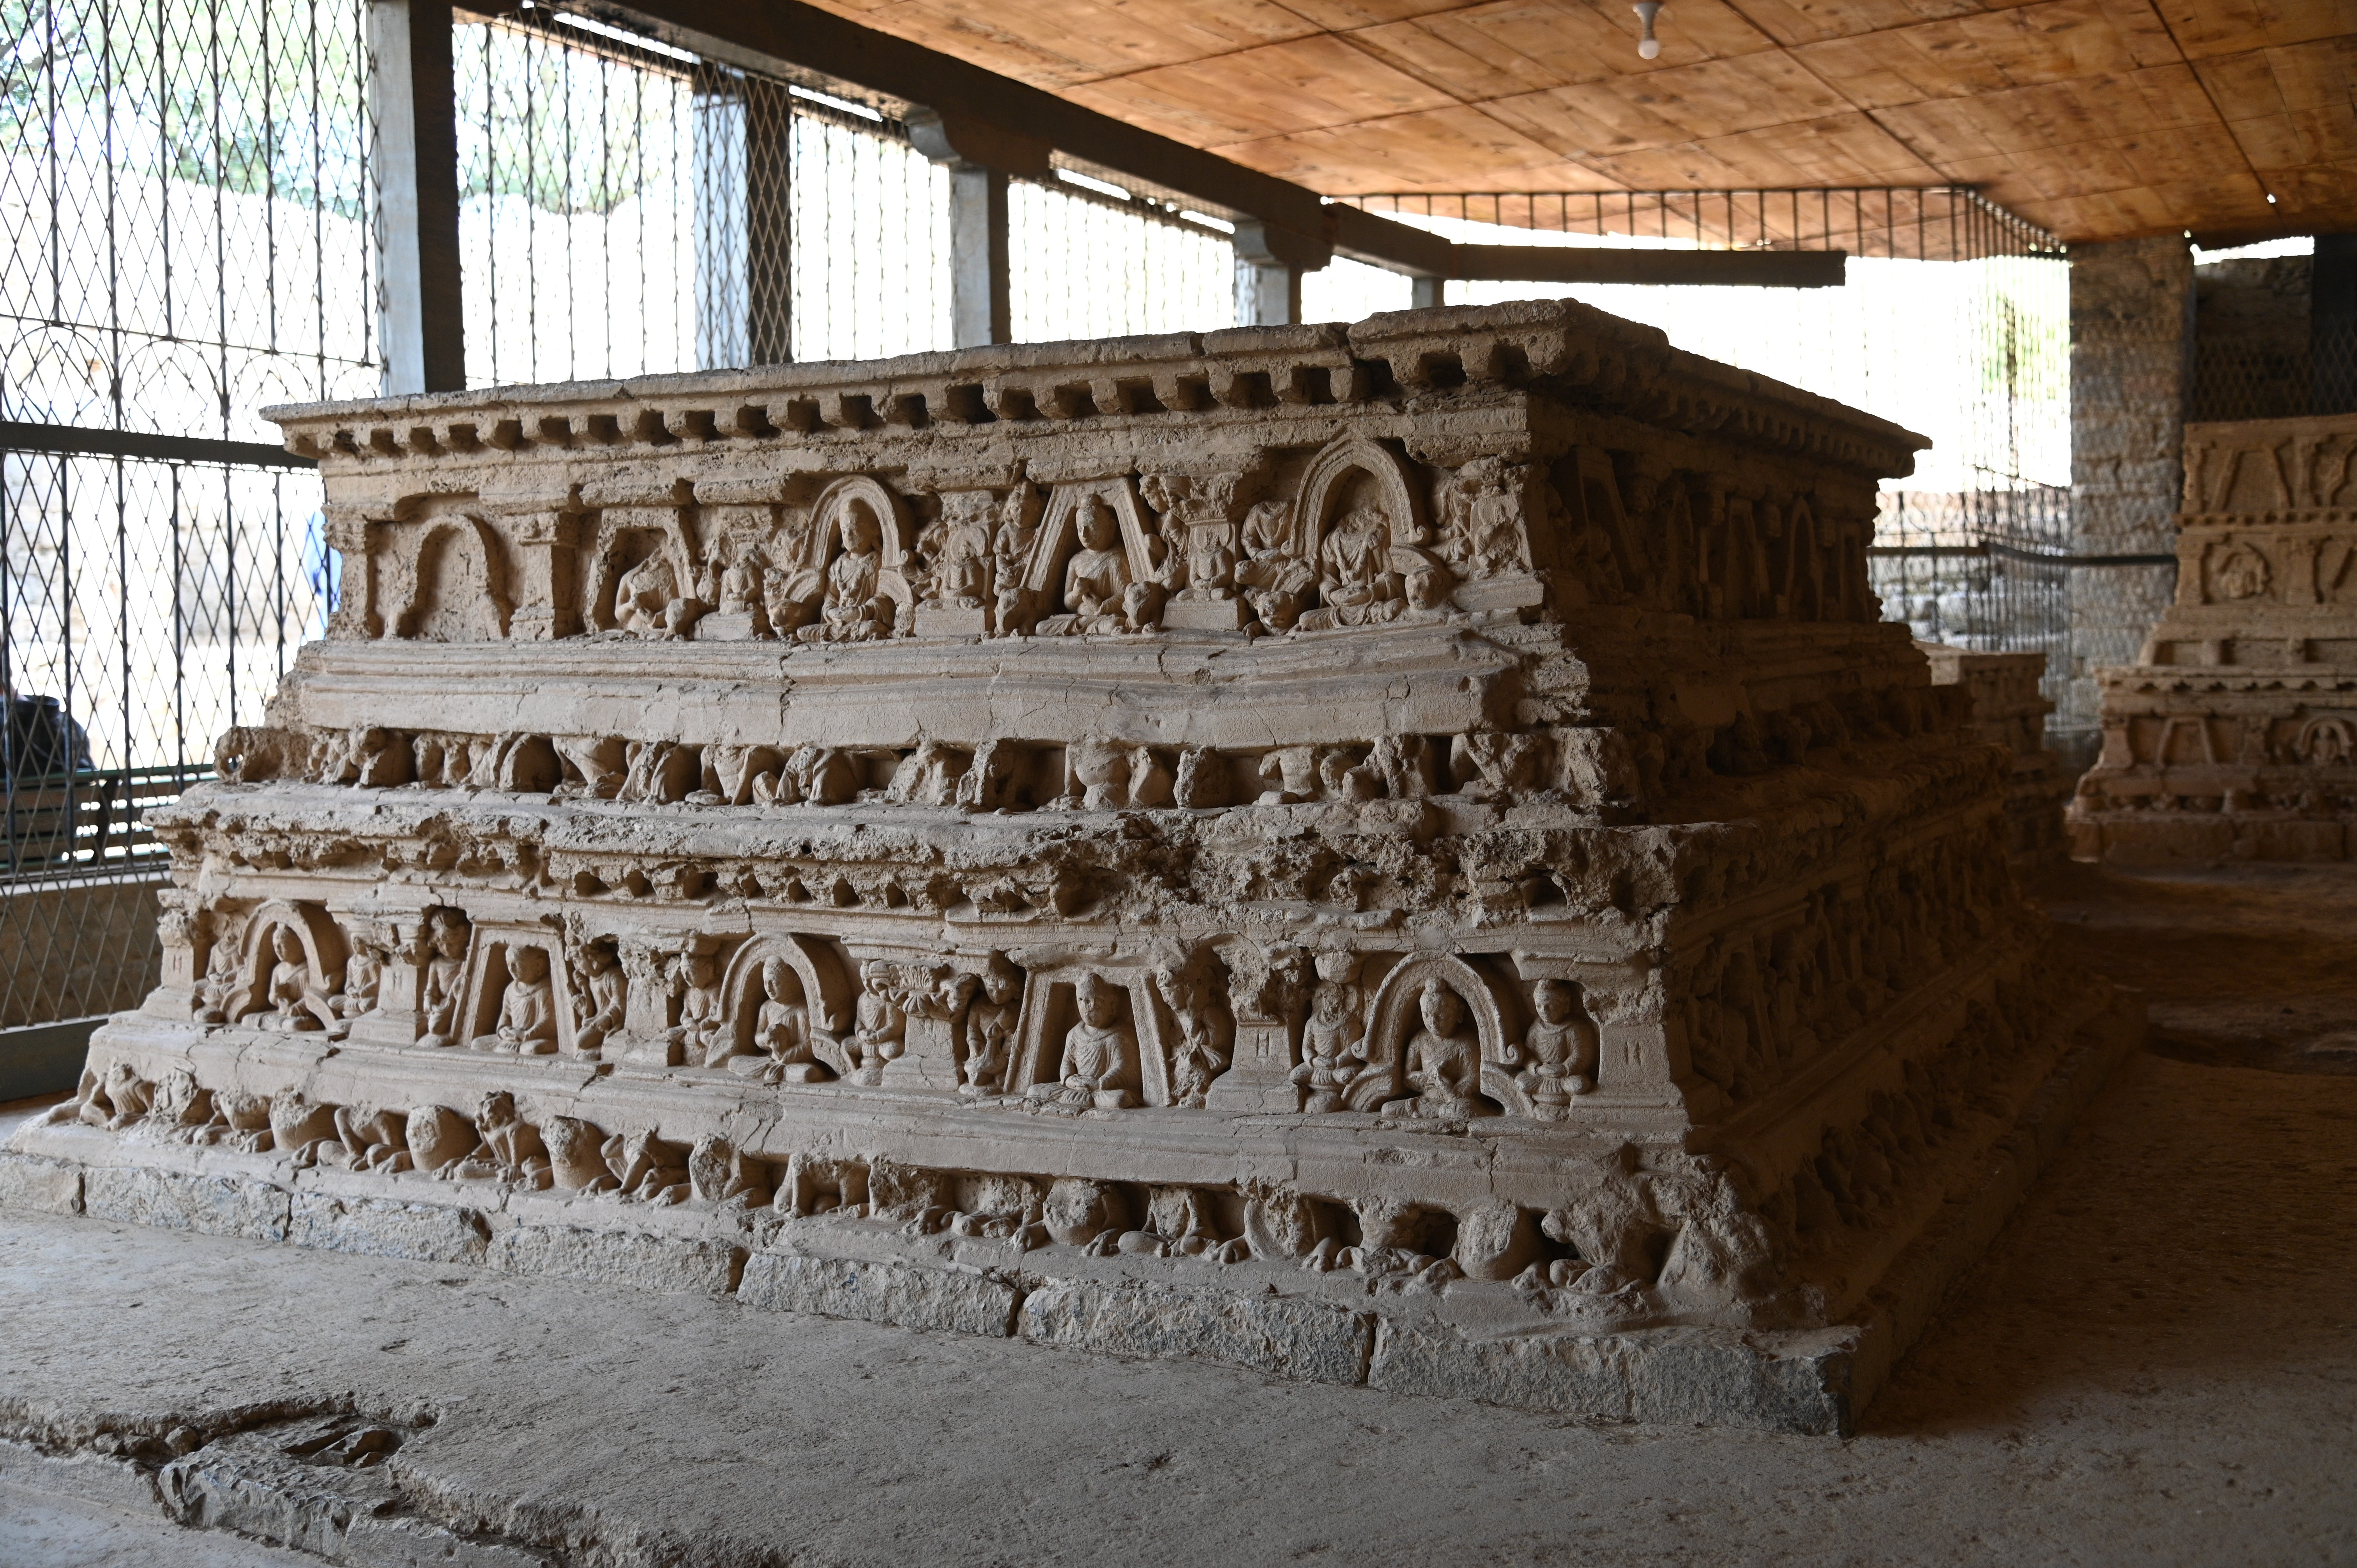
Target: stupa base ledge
<point>1403,1325</point>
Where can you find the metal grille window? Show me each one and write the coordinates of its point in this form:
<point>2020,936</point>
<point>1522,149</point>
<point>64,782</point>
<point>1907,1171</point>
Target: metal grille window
<point>1090,263</point>
<point>1955,322</point>
<point>186,213</point>
<point>871,239</point>
<point>629,209</point>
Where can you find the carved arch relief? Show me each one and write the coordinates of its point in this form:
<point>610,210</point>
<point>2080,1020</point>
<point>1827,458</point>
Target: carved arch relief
<point>324,952</point>
<point>1050,1009</point>
<point>1059,533</point>
<point>450,579</point>
<point>627,538</point>
<point>1393,1018</point>
<point>490,966</point>
<point>1327,484</point>
<point>828,991</point>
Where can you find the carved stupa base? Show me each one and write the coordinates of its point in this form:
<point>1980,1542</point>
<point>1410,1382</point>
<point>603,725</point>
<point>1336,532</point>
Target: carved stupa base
<point>2233,736</point>
<point>987,1260</point>
<point>1548,941</point>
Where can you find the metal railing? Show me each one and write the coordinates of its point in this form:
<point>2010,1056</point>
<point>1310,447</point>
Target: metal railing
<point>184,238</point>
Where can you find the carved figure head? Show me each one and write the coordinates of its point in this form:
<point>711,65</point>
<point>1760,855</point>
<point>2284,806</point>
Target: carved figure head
<point>286,945</point>
<point>528,964</point>
<point>1100,1002</point>
<point>446,933</point>
<point>779,982</point>
<point>1339,967</point>
<point>860,530</point>
<point>1000,981</point>
<point>1443,1013</point>
<point>1553,998</point>
<point>498,1109</point>
<point>876,977</point>
<point>596,957</point>
<point>700,968</point>
<point>1096,524</point>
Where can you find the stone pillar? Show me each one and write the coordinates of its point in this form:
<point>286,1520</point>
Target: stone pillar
<point>2131,342</point>
<point>415,160</point>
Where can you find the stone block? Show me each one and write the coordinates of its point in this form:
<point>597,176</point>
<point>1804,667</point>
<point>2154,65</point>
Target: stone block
<point>175,1200</point>
<point>2298,841</point>
<point>51,1185</point>
<point>907,1294</point>
<point>1709,1376</point>
<point>424,1232</point>
<point>667,1263</point>
<point>1286,1337</point>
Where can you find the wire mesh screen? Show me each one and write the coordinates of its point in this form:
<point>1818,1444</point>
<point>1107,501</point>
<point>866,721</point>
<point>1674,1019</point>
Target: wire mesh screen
<point>184,197</point>
<point>2262,350</point>
<point>1099,263</point>
<point>627,209</point>
<point>1955,322</point>
<point>186,213</point>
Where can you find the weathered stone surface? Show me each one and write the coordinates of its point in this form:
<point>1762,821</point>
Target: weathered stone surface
<point>961,1301</point>
<point>428,1232</point>
<point>175,1200</point>
<point>2234,735</point>
<point>2010,710</point>
<point>617,1257</point>
<point>1711,1376</point>
<point>1287,1336</point>
<point>26,1182</point>
<point>1432,801</point>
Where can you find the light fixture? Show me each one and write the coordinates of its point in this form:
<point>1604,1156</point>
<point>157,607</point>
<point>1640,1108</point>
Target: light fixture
<point>2271,201</point>
<point>1647,46</point>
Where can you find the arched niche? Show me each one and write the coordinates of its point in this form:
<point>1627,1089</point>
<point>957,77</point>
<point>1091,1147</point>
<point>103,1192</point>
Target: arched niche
<point>854,495</point>
<point>457,587</point>
<point>827,989</point>
<point>626,538</point>
<point>1060,534</point>
<point>1335,472</point>
<point>1393,1020</point>
<point>324,952</point>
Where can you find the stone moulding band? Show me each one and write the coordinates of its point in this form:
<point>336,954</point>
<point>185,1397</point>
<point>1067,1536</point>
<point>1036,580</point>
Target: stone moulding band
<point>1430,805</point>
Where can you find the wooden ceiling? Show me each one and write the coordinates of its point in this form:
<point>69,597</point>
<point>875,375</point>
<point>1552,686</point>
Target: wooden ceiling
<point>2097,119</point>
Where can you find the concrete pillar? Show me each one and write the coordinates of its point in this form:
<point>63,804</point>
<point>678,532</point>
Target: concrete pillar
<point>981,311</point>
<point>981,157</point>
<point>1429,292</point>
<point>744,236</point>
<point>2131,362</point>
<point>421,324</point>
<point>1269,264</point>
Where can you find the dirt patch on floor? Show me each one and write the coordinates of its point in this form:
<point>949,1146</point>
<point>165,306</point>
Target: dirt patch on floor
<point>2252,966</point>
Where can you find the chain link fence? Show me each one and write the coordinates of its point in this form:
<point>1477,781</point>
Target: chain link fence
<point>186,217</point>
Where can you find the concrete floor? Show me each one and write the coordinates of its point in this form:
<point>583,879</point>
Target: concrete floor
<point>2155,1364</point>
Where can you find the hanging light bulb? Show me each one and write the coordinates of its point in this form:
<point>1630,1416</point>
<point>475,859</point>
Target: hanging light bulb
<point>1647,46</point>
